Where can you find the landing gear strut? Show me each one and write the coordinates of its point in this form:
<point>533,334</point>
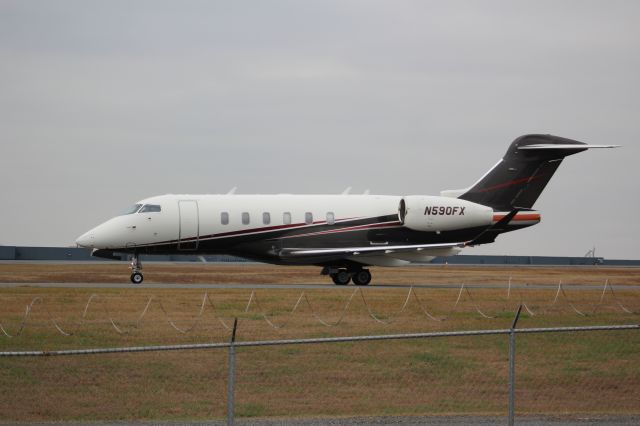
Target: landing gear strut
<point>136,269</point>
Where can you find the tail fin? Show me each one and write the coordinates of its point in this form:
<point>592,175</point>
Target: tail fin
<point>519,178</point>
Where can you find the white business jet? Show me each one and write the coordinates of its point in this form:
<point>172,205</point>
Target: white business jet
<point>344,233</point>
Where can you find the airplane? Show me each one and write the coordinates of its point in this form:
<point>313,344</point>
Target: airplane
<point>343,234</point>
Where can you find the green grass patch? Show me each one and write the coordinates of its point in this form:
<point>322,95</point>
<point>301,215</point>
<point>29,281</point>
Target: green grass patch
<point>250,410</point>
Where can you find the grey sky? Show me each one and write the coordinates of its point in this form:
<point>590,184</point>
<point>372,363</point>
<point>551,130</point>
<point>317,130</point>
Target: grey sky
<point>104,103</point>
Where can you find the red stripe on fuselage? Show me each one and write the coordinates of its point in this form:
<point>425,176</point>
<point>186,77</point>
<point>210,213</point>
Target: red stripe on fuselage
<point>249,231</point>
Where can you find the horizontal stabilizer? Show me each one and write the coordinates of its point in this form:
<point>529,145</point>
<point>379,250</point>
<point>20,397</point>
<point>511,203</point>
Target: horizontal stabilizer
<point>565,146</point>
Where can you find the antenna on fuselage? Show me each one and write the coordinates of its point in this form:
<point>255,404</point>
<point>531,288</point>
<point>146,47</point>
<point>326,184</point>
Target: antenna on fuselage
<point>366,192</point>
<point>346,191</point>
<point>232,190</point>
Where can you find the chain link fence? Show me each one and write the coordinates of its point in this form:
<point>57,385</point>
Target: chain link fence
<point>560,371</point>
<point>427,363</point>
<point>588,372</point>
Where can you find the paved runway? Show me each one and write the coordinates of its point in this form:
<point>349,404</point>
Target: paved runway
<point>571,287</point>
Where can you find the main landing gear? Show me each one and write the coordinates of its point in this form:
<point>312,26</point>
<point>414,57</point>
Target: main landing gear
<point>342,276</point>
<point>136,269</point>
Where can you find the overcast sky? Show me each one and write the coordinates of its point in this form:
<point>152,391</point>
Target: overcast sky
<point>105,103</point>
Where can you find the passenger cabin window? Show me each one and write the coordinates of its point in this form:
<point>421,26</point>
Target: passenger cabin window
<point>245,218</point>
<point>150,208</point>
<point>331,218</point>
<point>286,218</point>
<point>132,209</point>
<point>266,218</point>
<point>224,218</point>
<point>308,218</point>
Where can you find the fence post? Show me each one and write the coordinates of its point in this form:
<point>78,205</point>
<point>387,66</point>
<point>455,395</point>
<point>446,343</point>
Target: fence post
<point>512,368</point>
<point>232,376</point>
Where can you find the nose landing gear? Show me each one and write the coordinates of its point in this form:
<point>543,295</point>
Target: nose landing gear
<point>136,269</point>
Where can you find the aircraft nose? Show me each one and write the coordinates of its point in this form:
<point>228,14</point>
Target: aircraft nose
<point>86,240</point>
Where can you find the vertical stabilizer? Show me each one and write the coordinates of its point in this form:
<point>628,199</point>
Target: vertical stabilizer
<point>519,178</point>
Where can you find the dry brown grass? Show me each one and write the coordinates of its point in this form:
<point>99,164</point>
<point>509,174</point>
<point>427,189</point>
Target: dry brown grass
<point>591,373</point>
<point>250,273</point>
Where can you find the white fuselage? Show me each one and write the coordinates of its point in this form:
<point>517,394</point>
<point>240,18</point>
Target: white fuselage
<point>201,216</point>
<point>302,229</point>
<point>342,233</point>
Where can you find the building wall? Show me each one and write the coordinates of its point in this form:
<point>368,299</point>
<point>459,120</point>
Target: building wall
<point>79,254</point>
<point>7,253</point>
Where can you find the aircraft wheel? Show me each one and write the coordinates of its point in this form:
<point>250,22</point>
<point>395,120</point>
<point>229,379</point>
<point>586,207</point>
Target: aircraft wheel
<point>137,278</point>
<point>342,277</point>
<point>362,277</point>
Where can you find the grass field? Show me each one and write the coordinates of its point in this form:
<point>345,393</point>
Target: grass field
<point>251,273</point>
<point>568,373</point>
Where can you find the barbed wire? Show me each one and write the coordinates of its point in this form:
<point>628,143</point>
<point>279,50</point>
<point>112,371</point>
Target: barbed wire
<point>421,305</point>
<point>471,299</point>
<point>615,298</point>
<point>464,294</point>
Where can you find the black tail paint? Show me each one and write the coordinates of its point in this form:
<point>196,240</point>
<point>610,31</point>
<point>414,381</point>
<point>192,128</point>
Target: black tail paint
<point>517,181</point>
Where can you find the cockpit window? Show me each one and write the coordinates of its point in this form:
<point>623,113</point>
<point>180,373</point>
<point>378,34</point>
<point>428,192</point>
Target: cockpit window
<point>132,209</point>
<point>150,208</point>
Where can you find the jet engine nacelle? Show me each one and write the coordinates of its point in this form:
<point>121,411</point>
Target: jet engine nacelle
<point>431,213</point>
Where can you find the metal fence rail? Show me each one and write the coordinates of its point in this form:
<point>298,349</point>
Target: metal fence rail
<point>232,345</point>
<point>130,349</point>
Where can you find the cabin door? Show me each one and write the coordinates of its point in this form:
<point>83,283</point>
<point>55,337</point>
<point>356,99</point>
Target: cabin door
<point>189,231</point>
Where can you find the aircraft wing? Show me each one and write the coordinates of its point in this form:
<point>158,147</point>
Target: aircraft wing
<point>354,251</point>
<point>487,236</point>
